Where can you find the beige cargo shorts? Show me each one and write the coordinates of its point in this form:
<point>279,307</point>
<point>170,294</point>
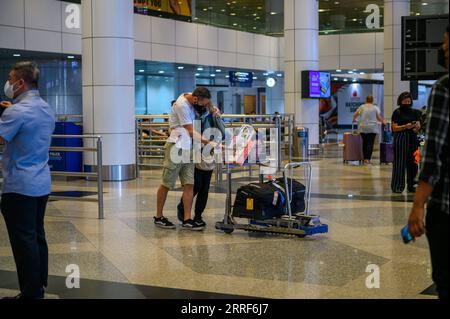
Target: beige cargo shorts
<point>171,170</point>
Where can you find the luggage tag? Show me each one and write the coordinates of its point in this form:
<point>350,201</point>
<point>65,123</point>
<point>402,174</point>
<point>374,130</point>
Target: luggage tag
<point>275,198</point>
<point>250,204</point>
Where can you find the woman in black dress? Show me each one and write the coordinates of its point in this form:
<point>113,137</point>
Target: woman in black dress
<point>405,125</point>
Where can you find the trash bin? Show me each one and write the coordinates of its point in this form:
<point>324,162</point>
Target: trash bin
<point>301,142</point>
<point>66,161</point>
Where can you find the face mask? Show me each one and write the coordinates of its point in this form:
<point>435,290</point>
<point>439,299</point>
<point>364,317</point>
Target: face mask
<point>406,105</point>
<point>199,108</point>
<point>441,57</point>
<point>9,90</point>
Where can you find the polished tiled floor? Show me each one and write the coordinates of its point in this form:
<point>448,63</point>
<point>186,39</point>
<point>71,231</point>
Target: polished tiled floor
<point>126,250</point>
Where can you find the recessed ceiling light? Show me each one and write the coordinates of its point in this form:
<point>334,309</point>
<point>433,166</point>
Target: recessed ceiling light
<point>424,3</point>
<point>141,71</point>
<point>218,70</point>
<point>181,68</point>
<point>255,78</point>
<point>345,80</point>
<point>213,75</point>
<point>338,70</point>
<point>161,72</point>
<point>200,69</point>
<point>273,13</point>
<point>350,72</point>
<point>232,14</point>
<point>227,76</point>
<point>362,73</point>
<point>279,75</point>
<point>70,57</point>
<point>197,74</point>
<point>17,55</point>
<point>336,79</point>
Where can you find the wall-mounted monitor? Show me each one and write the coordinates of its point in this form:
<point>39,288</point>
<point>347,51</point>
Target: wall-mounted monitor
<point>241,79</point>
<point>316,85</point>
<point>422,36</point>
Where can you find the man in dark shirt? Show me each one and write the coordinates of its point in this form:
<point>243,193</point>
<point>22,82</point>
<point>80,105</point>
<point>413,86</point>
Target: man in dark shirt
<point>433,182</point>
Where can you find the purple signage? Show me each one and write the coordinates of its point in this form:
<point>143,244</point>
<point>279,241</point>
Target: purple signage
<point>314,84</point>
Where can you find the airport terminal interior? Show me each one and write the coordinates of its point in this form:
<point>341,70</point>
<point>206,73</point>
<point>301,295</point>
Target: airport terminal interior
<point>110,70</point>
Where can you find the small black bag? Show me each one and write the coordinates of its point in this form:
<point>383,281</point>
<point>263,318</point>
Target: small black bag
<point>298,193</point>
<point>259,201</point>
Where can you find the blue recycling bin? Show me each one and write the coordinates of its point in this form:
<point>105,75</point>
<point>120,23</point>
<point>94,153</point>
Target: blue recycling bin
<point>66,161</point>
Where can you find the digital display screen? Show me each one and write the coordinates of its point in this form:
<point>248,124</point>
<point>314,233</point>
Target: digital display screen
<point>241,79</point>
<point>316,85</point>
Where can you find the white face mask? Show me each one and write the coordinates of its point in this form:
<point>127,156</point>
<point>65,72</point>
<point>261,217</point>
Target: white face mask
<point>9,90</point>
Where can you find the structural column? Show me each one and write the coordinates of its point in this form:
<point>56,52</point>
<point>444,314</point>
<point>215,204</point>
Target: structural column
<point>393,86</point>
<point>108,84</point>
<point>301,31</point>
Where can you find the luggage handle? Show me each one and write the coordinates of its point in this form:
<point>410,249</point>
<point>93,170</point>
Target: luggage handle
<point>354,129</point>
<point>289,190</point>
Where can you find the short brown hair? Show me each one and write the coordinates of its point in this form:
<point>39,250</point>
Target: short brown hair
<point>202,93</point>
<point>369,99</point>
<point>28,72</point>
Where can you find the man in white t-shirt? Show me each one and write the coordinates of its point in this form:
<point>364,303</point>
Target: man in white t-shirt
<point>178,155</point>
<point>369,117</point>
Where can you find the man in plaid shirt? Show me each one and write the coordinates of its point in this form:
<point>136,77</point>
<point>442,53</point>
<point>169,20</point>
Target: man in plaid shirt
<point>433,182</point>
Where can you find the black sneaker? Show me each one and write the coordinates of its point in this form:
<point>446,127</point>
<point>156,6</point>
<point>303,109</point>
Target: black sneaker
<point>200,222</point>
<point>163,222</point>
<point>191,225</point>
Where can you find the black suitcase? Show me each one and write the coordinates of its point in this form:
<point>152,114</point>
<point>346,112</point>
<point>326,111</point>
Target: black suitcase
<point>298,191</point>
<point>258,201</point>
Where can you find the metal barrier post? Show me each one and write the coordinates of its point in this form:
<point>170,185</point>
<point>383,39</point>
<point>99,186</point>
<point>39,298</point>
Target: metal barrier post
<point>137,138</point>
<point>100,177</point>
<point>278,124</point>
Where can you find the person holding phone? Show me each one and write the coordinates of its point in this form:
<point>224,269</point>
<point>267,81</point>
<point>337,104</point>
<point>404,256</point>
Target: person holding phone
<point>405,125</point>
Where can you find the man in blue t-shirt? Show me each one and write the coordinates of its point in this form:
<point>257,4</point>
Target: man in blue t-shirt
<point>26,127</point>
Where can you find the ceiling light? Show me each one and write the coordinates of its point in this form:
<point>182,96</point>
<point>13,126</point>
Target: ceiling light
<point>232,14</point>
<point>338,70</point>
<point>279,75</point>
<point>255,78</point>
<point>70,57</point>
<point>141,71</point>
<point>181,68</point>
<point>424,3</point>
<point>273,13</point>
<point>350,72</point>
<point>345,80</point>
<point>218,70</point>
<point>16,55</point>
<point>161,72</point>
<point>336,79</point>
<point>197,74</point>
<point>200,69</point>
<point>362,73</point>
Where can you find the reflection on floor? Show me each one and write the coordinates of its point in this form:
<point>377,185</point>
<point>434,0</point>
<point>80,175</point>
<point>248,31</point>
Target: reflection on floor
<point>125,256</point>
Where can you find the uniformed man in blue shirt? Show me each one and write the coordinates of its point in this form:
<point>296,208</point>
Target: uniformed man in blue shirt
<point>26,127</point>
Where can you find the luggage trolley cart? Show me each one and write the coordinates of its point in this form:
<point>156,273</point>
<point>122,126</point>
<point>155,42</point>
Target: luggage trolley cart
<point>293,223</point>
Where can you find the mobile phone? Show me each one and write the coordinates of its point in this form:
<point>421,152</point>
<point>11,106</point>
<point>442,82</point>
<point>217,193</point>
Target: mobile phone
<point>406,236</point>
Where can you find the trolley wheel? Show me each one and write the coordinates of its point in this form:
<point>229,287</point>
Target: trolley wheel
<point>228,231</point>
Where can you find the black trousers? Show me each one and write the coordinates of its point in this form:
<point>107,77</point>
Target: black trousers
<point>202,181</point>
<point>368,141</point>
<point>437,225</point>
<point>405,144</point>
<point>24,218</point>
